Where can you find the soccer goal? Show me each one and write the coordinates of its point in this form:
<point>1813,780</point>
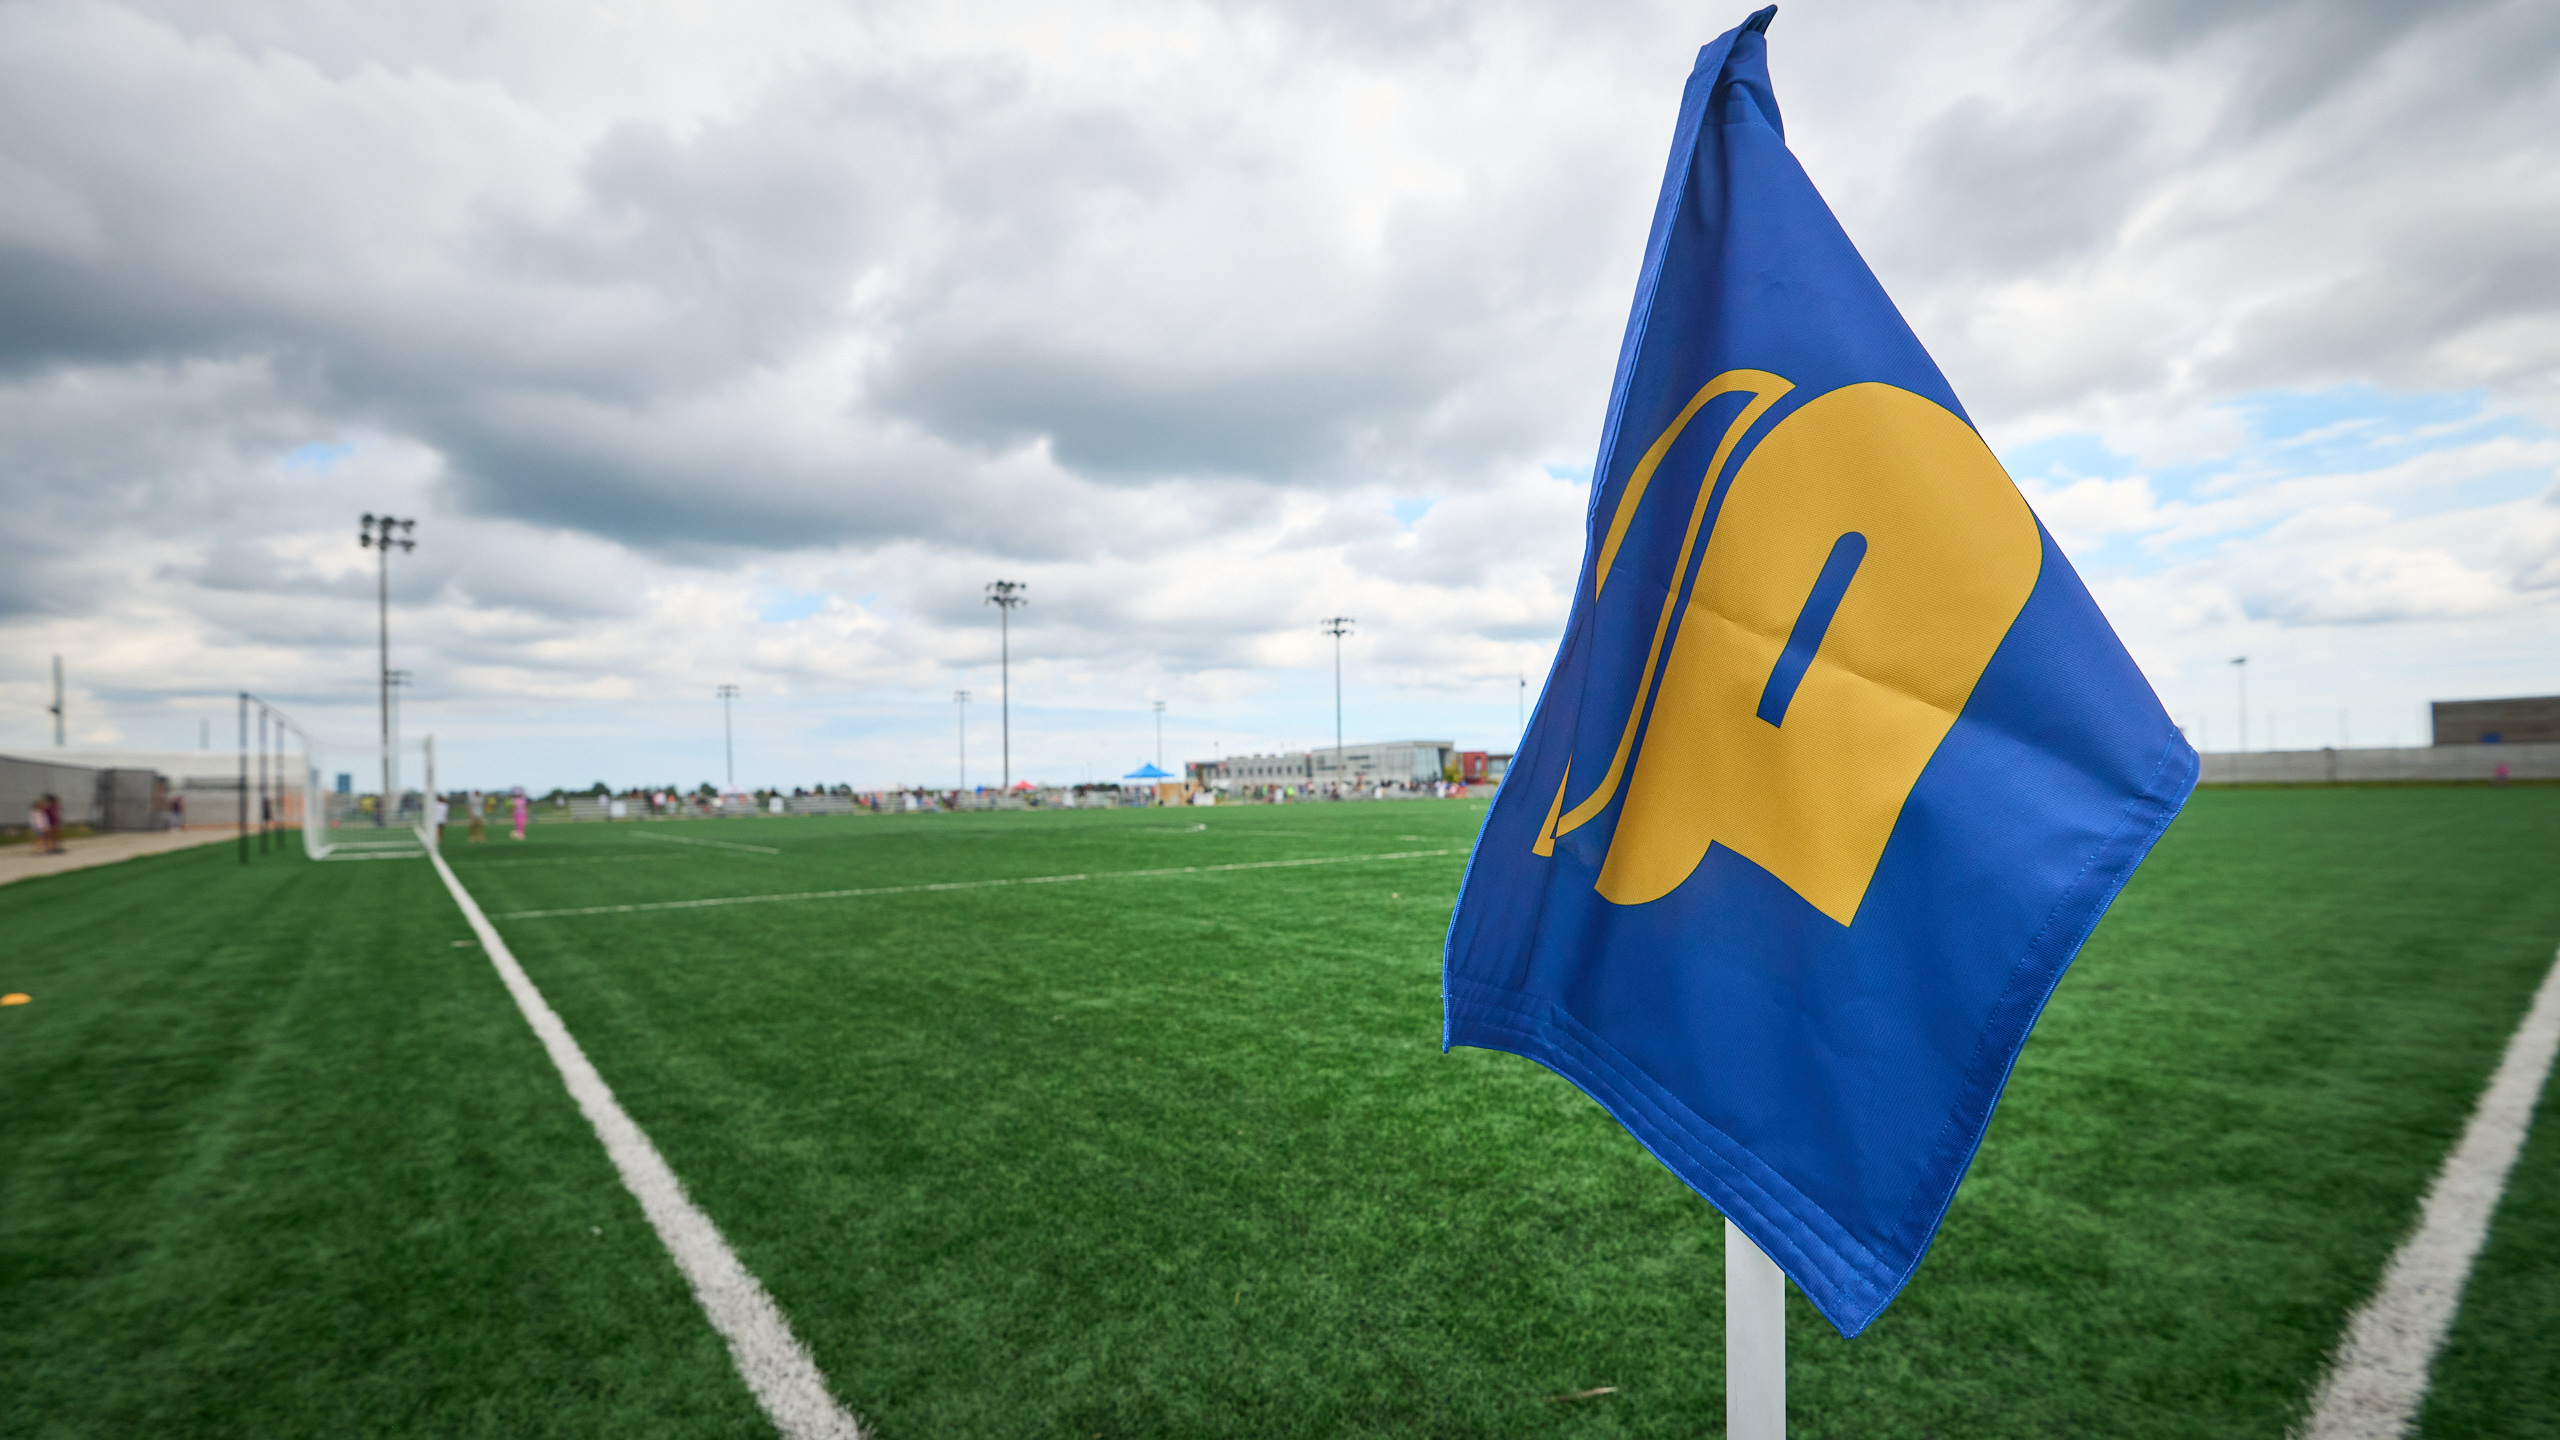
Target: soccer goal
<point>371,804</point>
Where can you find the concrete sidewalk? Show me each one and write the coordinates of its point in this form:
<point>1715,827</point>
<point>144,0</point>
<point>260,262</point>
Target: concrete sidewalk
<point>23,862</point>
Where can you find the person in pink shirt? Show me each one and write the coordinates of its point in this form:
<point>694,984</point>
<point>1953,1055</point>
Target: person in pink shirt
<point>519,812</point>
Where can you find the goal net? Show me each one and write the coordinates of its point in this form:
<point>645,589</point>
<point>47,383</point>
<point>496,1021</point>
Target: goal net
<point>370,803</point>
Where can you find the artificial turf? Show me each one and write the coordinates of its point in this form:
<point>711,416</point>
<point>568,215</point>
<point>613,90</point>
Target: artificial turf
<point>1178,1154</point>
<point>2499,1373</point>
<point>276,1159</point>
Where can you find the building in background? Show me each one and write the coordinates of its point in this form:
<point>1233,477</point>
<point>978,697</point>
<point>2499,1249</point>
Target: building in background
<point>1483,767</point>
<point>1384,762</point>
<point>1239,772</point>
<point>2532,720</point>
<point>1404,763</point>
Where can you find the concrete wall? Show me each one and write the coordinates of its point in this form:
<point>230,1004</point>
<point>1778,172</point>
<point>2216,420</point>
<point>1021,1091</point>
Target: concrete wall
<point>102,798</point>
<point>2441,763</point>
<point>23,779</point>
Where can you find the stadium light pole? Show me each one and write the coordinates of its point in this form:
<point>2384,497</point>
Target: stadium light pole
<point>242,794</point>
<point>262,777</point>
<point>1159,734</point>
<point>728,740</point>
<point>56,707</point>
<point>400,680</point>
<point>1005,595</point>
<point>2240,667</point>
<point>1337,626</point>
<point>275,816</point>
<point>379,533</point>
<point>960,698</point>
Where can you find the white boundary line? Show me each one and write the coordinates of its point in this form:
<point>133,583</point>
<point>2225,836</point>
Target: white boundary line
<point>773,1362</point>
<point>574,860</point>
<point>2379,1376</point>
<point>714,844</point>
<point>965,885</point>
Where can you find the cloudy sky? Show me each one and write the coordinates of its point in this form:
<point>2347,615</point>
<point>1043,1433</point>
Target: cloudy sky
<point>744,343</point>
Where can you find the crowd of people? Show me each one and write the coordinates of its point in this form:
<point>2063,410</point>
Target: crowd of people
<point>476,810</point>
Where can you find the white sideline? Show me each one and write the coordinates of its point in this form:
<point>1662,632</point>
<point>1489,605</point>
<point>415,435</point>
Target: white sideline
<point>574,860</point>
<point>2379,1376</point>
<point>714,844</point>
<point>964,885</point>
<point>773,1362</point>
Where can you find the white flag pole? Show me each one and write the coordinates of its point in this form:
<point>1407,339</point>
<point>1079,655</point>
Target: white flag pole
<point>1755,1341</point>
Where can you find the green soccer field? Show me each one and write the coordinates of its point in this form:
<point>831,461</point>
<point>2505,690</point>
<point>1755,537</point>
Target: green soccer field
<point>1160,1148</point>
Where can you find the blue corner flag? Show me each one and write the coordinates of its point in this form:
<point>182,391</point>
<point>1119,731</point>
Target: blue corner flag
<point>1839,762</point>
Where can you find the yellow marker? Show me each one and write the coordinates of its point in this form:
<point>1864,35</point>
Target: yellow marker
<point>1803,768</point>
<point>1765,390</point>
<point>16,999</point>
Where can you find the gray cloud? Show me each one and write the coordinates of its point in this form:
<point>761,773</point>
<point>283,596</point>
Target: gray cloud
<point>2289,56</point>
<point>2004,191</point>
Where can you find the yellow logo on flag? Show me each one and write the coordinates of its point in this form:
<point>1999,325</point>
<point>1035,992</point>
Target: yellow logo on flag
<point>1869,557</point>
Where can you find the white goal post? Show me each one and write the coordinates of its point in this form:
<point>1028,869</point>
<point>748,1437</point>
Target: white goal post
<point>349,820</point>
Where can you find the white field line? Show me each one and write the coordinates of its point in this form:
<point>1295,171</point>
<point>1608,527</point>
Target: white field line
<point>967,885</point>
<point>773,1362</point>
<point>2379,1375</point>
<point>571,860</point>
<point>714,844</point>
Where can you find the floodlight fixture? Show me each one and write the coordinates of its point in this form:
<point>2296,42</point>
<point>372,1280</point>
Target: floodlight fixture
<point>1005,595</point>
